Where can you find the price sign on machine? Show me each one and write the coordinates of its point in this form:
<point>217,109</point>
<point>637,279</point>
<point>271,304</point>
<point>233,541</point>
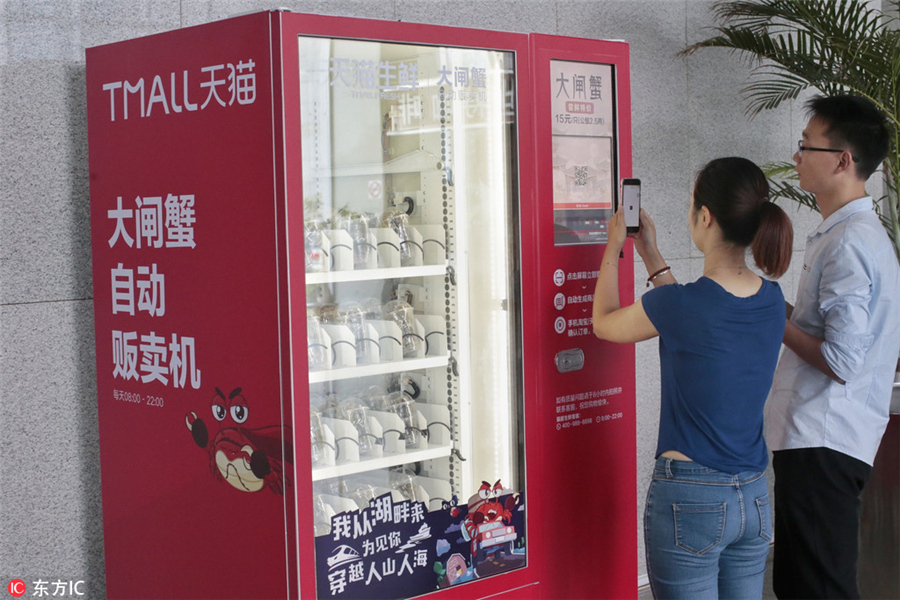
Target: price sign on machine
<point>584,161</point>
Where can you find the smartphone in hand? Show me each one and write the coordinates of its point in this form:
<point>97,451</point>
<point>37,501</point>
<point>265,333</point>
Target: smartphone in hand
<point>631,203</point>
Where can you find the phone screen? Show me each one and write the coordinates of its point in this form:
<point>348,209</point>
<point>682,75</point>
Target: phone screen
<point>631,201</point>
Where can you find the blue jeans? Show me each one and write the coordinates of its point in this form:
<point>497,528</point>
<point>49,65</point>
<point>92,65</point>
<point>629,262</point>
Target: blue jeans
<point>707,533</point>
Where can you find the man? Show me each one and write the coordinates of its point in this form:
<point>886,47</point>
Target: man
<point>830,399</point>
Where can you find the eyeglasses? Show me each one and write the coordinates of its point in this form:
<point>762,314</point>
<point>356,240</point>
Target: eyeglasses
<point>801,148</point>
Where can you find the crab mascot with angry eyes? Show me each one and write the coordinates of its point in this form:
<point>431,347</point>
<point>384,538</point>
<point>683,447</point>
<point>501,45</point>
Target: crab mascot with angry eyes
<point>487,526</point>
<point>247,459</point>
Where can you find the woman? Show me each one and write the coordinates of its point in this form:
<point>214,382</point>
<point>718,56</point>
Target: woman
<point>707,522</point>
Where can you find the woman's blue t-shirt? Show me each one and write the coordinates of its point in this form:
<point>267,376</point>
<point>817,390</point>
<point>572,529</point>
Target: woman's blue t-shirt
<point>717,358</point>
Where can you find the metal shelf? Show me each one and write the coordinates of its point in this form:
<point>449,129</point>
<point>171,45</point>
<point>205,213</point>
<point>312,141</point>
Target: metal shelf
<point>415,162</point>
<point>385,462</point>
<point>413,364</point>
<point>375,274</point>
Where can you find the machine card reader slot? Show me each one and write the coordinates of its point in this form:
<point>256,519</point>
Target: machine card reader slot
<point>570,360</point>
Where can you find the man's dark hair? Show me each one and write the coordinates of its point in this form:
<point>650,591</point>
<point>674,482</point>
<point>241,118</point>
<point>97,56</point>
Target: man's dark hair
<point>854,123</point>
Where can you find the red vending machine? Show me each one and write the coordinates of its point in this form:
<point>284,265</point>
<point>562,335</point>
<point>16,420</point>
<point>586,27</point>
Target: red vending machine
<point>384,234</point>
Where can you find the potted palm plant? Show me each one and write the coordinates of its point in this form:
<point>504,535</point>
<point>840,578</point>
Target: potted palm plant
<point>833,46</point>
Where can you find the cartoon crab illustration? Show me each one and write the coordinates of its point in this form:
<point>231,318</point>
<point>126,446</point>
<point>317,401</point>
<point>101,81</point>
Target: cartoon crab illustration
<point>247,459</point>
<point>487,526</point>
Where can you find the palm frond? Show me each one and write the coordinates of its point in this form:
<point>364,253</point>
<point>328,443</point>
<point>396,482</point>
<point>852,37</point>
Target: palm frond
<point>842,19</point>
<point>891,202</point>
<point>782,177</point>
<point>766,94</point>
<point>798,44</point>
<point>781,190</point>
<point>832,46</point>
<point>780,170</point>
